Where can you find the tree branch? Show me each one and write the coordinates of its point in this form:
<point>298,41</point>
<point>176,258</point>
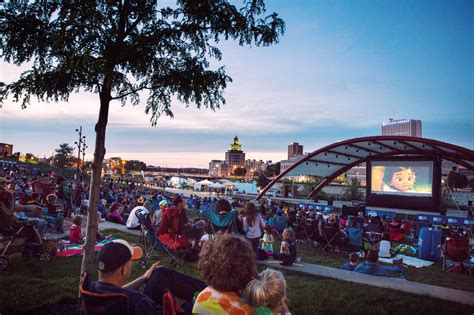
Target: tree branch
<point>130,92</point>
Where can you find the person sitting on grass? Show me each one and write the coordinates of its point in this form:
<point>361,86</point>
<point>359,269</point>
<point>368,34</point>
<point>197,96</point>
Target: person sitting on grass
<point>352,263</point>
<point>370,266</point>
<point>115,265</point>
<point>287,252</point>
<point>268,291</point>
<point>75,232</point>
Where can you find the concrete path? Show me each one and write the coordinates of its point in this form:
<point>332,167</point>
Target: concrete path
<point>110,225</point>
<point>453,295</point>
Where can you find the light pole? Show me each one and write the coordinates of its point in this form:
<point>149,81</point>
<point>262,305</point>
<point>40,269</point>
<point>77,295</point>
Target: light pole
<point>84,147</point>
<point>82,141</point>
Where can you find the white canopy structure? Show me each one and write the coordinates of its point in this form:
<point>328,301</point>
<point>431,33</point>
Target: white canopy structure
<point>217,186</point>
<point>203,183</point>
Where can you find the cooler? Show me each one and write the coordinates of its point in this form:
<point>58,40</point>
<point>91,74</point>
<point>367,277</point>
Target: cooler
<point>429,242</point>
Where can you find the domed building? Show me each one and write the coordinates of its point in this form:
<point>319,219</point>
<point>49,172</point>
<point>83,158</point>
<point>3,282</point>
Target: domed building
<point>235,157</point>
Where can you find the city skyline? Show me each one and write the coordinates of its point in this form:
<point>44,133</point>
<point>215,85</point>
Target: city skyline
<point>337,73</point>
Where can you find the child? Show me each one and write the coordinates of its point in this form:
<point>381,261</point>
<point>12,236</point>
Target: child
<point>75,233</point>
<point>402,179</point>
<point>267,240</point>
<point>268,291</point>
<point>287,252</point>
<point>353,262</point>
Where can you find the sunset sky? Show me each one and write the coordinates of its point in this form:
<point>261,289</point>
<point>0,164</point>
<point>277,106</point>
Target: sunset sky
<point>341,69</point>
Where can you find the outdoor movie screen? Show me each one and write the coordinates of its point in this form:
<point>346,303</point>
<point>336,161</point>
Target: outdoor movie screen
<point>402,178</point>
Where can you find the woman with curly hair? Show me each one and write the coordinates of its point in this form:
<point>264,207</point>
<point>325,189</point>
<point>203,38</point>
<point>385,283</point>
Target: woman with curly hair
<point>227,264</point>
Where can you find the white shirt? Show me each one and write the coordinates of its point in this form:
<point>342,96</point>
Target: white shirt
<point>132,221</point>
<point>255,230</point>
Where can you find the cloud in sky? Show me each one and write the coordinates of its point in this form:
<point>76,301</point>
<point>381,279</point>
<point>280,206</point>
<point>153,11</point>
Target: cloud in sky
<point>339,71</point>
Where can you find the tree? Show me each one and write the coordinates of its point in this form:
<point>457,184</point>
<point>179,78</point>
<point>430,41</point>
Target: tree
<point>134,165</point>
<point>262,181</point>
<point>239,171</point>
<point>457,180</point>
<point>31,158</point>
<point>119,49</point>
<point>272,170</point>
<point>63,155</point>
<point>352,191</point>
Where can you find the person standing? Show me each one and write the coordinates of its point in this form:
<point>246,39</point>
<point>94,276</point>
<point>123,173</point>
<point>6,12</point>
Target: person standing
<point>253,225</point>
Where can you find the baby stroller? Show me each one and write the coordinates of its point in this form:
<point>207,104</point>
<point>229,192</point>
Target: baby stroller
<point>19,236</point>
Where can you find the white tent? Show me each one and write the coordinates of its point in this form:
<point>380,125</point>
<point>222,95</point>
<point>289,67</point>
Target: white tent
<point>217,186</point>
<point>205,182</point>
<point>176,181</point>
<point>199,185</point>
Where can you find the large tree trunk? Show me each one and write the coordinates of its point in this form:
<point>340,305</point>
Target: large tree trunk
<point>89,260</point>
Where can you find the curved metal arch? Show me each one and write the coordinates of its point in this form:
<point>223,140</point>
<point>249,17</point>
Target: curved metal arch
<point>459,155</point>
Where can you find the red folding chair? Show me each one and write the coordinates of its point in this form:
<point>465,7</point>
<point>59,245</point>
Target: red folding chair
<point>93,303</point>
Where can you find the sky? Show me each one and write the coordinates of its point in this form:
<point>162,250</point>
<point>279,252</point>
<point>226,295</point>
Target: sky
<point>339,71</point>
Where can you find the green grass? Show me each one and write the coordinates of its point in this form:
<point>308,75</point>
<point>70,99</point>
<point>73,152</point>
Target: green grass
<point>434,274</point>
<point>29,285</point>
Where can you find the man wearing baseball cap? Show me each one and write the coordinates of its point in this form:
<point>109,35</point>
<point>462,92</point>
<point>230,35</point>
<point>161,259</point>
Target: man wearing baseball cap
<point>115,265</point>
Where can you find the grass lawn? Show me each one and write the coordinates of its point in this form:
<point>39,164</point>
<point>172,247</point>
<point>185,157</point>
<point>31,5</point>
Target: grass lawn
<point>434,275</point>
<point>31,286</point>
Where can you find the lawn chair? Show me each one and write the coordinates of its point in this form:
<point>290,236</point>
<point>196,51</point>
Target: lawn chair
<point>225,223</point>
<point>456,254</point>
<point>150,241</point>
<point>279,225</point>
<point>334,237</point>
<point>93,303</point>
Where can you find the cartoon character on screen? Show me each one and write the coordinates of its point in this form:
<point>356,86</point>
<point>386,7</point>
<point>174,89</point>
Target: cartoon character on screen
<point>400,179</point>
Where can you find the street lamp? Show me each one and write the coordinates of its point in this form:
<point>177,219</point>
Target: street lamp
<point>81,147</point>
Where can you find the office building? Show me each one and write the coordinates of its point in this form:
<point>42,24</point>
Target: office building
<point>235,157</point>
<point>402,127</point>
<point>6,150</point>
<point>294,150</point>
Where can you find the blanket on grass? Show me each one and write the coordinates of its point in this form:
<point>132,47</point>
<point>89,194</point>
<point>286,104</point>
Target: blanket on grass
<point>66,249</point>
<point>409,261</point>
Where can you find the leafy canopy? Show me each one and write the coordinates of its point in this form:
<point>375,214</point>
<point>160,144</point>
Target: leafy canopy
<point>63,155</point>
<point>119,48</point>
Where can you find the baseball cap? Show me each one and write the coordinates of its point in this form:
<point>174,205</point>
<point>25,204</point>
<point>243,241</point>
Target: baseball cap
<point>115,254</point>
<point>163,203</point>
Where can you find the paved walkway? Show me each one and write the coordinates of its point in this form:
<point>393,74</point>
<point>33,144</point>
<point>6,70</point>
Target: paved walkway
<point>110,225</point>
<point>443,293</point>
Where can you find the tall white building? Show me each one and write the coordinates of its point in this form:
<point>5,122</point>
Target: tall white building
<point>402,127</point>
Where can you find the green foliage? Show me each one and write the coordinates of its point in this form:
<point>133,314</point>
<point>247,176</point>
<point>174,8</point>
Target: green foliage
<point>31,158</point>
<point>352,191</point>
<point>239,171</point>
<point>272,170</point>
<point>118,49</point>
<point>457,180</point>
<point>63,155</point>
<point>134,165</point>
<point>262,181</point>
